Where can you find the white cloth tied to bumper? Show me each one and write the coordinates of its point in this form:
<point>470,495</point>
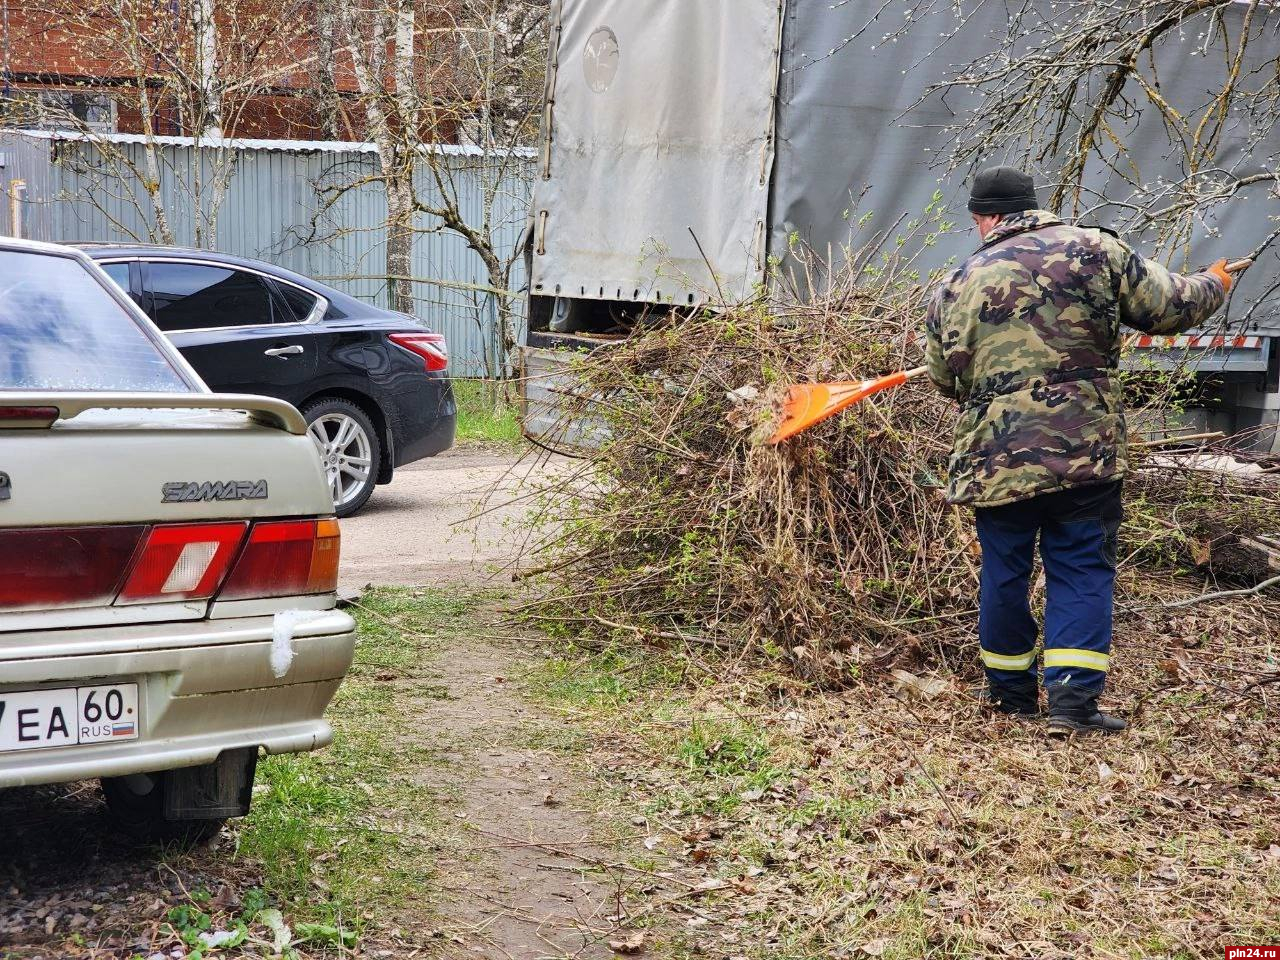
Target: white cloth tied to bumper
<point>283,626</point>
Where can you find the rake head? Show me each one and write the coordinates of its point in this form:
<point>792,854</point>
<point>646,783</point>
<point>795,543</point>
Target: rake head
<point>810,403</point>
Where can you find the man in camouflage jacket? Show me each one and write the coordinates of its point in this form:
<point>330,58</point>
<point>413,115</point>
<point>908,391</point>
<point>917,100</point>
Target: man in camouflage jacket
<point>1026,336</point>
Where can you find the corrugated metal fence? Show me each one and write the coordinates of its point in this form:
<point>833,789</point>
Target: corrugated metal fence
<point>309,206</point>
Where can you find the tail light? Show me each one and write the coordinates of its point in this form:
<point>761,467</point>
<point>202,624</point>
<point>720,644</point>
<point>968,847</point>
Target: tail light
<point>128,564</point>
<point>64,566</point>
<point>34,417</point>
<point>431,347</point>
<point>284,558</point>
<point>184,562</point>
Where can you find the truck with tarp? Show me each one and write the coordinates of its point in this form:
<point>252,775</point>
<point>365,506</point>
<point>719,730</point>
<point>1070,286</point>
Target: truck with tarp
<point>689,147</point>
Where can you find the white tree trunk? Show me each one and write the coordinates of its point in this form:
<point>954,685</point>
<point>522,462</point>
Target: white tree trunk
<point>396,170</point>
<point>204,29</point>
<point>151,163</point>
<point>400,187</point>
<point>327,69</point>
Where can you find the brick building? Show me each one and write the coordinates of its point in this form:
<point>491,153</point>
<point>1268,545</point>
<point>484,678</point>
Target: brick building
<point>69,63</point>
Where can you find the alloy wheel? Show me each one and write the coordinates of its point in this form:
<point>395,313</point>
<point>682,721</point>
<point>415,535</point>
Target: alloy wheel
<point>345,453</point>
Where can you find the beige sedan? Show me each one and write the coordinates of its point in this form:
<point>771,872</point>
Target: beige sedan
<point>168,561</point>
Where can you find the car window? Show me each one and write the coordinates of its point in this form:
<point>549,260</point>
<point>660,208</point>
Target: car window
<point>62,330</point>
<point>300,302</point>
<point>194,296</point>
<point>119,274</point>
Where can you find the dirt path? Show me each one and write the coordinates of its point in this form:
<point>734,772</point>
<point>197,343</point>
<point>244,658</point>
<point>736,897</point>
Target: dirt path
<point>519,840</point>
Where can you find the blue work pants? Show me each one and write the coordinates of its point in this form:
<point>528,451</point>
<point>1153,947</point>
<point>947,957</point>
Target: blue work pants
<point>1077,531</point>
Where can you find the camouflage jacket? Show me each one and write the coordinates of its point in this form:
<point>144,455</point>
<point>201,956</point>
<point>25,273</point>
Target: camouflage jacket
<point>1026,336</point>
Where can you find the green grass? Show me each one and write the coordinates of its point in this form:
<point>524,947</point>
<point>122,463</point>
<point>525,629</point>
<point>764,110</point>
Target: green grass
<point>487,413</point>
<point>342,835</point>
<point>607,679</point>
<point>716,755</point>
<point>863,828</point>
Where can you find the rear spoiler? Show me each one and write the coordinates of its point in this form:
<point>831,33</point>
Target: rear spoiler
<point>35,409</point>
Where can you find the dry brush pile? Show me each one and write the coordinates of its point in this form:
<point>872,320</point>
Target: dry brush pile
<point>834,553</point>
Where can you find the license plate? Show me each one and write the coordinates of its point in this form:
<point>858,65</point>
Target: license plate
<point>68,716</point>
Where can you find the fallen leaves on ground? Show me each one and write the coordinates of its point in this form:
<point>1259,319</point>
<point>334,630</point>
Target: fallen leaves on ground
<point>879,822</point>
<point>632,944</point>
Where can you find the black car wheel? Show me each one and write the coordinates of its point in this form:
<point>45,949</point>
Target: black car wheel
<point>350,451</point>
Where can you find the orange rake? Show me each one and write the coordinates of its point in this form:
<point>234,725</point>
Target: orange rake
<point>810,403</point>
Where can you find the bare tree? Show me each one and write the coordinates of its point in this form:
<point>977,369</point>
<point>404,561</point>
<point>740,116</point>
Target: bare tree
<point>441,71</point>
<point>205,66</point>
<point>194,74</point>
<point>382,38</point>
<point>502,48</point>
<point>329,41</point>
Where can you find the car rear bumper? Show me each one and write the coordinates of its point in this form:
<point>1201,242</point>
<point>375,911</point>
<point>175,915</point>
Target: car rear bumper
<point>203,688</point>
<point>424,422</point>
<point>436,440</point>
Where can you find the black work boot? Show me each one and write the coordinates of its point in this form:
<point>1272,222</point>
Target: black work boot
<point>1014,699</point>
<point>1072,710</point>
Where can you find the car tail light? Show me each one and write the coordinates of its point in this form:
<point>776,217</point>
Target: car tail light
<point>284,558</point>
<point>34,417</point>
<point>64,566</point>
<point>183,562</point>
<point>431,347</point>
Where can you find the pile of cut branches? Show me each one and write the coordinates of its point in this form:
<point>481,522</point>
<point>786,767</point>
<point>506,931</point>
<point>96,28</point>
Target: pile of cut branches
<point>836,551</point>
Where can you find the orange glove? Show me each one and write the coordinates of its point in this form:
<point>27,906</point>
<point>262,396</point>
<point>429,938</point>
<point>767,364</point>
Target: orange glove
<point>1220,271</point>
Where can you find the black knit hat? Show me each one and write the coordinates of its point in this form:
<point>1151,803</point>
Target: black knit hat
<point>1002,190</point>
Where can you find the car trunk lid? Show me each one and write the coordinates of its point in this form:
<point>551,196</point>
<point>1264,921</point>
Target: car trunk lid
<point>110,483</point>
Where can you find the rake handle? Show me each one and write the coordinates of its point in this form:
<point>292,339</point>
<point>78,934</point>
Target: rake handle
<point>894,380</point>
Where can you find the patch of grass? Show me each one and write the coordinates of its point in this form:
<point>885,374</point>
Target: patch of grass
<point>608,679</point>
<point>718,756</point>
<point>317,822</point>
<point>720,750</point>
<point>487,413</point>
<point>839,816</point>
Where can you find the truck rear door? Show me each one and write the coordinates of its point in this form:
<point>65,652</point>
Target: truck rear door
<point>658,140</point>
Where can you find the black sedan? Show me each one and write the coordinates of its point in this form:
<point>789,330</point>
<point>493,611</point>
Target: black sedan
<point>372,383</point>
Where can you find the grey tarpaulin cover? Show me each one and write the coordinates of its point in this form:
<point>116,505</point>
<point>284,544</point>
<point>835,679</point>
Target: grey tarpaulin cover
<point>663,118</point>
<point>660,125</point>
<point>848,144</point>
